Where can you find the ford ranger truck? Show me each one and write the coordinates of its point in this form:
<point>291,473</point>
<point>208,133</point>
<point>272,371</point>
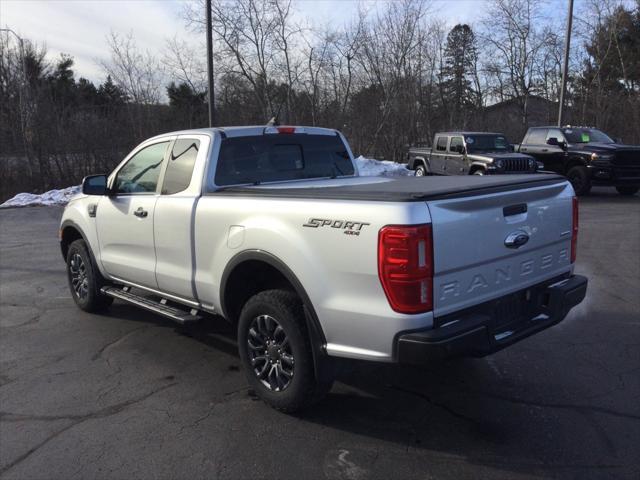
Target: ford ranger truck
<point>273,229</point>
<point>469,153</point>
<point>586,156</point>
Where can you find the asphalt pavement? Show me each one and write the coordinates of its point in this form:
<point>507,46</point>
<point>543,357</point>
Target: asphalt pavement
<point>127,394</point>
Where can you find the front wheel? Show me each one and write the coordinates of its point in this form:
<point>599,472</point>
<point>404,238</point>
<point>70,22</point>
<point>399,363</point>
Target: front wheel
<point>627,190</point>
<point>421,171</point>
<point>478,172</point>
<point>275,351</point>
<point>85,280</point>
<point>579,178</point>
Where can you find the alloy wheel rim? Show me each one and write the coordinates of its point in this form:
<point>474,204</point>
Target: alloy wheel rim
<point>79,280</point>
<point>270,353</point>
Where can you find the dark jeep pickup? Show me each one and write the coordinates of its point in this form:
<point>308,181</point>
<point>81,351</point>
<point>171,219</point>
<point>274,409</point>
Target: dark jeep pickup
<point>469,153</point>
<point>586,156</point>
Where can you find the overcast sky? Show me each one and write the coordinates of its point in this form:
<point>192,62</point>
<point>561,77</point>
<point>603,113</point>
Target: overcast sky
<point>79,27</point>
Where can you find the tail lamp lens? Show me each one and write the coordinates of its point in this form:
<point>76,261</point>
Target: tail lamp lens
<point>405,267</point>
<point>574,230</point>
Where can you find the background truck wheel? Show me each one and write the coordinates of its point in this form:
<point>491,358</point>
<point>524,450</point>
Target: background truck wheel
<point>579,178</point>
<point>275,351</point>
<point>421,171</point>
<point>85,280</point>
<point>627,190</point>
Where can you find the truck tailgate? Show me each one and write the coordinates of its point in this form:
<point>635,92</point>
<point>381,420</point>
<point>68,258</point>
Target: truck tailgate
<point>481,247</point>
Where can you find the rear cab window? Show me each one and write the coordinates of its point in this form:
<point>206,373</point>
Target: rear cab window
<point>180,165</point>
<point>441,144</point>
<point>280,157</point>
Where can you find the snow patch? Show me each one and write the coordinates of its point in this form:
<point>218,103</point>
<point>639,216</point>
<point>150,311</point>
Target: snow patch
<point>52,197</point>
<point>370,167</point>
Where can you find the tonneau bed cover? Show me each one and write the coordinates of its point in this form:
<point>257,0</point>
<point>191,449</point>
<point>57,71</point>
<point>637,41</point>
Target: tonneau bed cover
<point>397,189</point>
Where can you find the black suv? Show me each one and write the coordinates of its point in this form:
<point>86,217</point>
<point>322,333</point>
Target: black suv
<point>586,156</point>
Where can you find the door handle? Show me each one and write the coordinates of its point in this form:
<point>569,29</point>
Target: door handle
<point>141,212</point>
<point>545,149</point>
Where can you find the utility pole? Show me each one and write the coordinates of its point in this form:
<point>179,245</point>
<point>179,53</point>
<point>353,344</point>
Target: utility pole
<point>210,63</point>
<point>567,43</point>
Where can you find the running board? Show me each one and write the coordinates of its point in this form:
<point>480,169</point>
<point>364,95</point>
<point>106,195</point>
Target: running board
<point>159,307</point>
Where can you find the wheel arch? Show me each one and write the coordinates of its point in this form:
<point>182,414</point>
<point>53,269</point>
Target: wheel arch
<point>421,161</point>
<point>250,260</point>
<point>574,162</point>
<point>475,166</point>
<point>70,232</point>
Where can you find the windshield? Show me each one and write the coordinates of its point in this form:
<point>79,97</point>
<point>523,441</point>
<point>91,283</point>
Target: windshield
<point>486,143</point>
<point>585,135</point>
<point>280,157</point>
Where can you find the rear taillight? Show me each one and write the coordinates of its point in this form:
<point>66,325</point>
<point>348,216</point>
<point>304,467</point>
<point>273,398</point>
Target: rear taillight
<point>405,267</point>
<point>574,230</point>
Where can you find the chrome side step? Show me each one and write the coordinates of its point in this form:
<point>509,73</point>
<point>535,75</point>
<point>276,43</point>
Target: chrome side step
<point>159,307</point>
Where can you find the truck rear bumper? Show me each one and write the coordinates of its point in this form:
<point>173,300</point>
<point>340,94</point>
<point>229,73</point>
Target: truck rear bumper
<point>494,325</point>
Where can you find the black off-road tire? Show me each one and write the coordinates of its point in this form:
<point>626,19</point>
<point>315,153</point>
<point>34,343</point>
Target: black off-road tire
<point>579,178</point>
<point>81,270</point>
<point>478,171</point>
<point>627,190</point>
<point>285,307</point>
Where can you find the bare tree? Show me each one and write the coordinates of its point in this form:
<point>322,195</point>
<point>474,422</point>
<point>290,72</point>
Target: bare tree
<point>138,73</point>
<point>516,45</point>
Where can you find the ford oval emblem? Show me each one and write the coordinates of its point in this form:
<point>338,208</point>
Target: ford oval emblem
<point>516,239</point>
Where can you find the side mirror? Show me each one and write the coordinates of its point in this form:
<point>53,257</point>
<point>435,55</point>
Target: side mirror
<point>95,185</point>
<point>618,140</point>
<point>553,141</point>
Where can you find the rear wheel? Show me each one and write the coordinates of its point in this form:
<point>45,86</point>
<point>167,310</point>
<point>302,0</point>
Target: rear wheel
<point>275,351</point>
<point>421,171</point>
<point>627,190</point>
<point>478,171</point>
<point>85,280</point>
<point>579,178</point>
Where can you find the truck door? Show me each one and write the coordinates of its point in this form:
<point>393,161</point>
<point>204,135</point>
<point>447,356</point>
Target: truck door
<point>455,157</point>
<point>173,225</point>
<point>536,144</point>
<point>555,155</point>
<point>125,219</point>
<point>439,154</point>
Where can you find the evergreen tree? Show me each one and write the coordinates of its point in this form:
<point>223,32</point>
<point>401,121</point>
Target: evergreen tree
<point>109,94</point>
<point>459,65</point>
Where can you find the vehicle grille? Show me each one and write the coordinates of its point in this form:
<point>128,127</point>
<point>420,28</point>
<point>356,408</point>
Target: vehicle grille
<point>516,164</point>
<point>622,173</point>
<point>627,157</point>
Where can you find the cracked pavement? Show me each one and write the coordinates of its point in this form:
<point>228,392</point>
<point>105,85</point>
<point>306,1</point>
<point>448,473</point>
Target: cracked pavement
<point>127,394</point>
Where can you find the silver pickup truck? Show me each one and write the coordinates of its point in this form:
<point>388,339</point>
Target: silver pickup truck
<point>273,229</point>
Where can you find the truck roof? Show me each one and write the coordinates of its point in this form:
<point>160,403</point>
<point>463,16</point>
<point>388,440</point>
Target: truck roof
<point>468,133</point>
<point>248,130</point>
<point>555,126</point>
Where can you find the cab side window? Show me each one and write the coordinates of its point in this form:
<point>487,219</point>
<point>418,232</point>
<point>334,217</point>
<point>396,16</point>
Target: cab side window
<point>537,137</point>
<point>555,133</point>
<point>140,174</point>
<point>456,143</point>
<point>441,144</point>
<point>180,166</point>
